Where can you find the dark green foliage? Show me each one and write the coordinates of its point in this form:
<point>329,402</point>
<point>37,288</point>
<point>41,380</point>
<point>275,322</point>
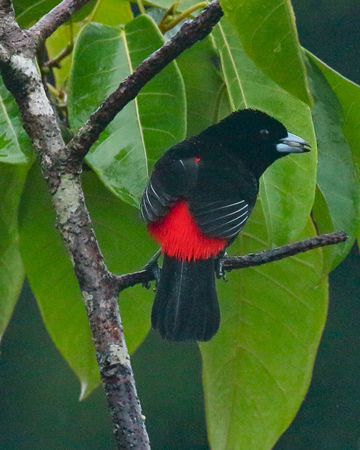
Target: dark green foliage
<point>257,369</point>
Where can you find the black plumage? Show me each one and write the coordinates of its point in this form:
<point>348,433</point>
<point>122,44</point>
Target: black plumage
<point>216,175</point>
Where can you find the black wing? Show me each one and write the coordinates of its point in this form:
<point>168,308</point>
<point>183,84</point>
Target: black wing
<point>220,192</point>
<point>224,197</point>
<point>221,218</point>
<point>167,183</point>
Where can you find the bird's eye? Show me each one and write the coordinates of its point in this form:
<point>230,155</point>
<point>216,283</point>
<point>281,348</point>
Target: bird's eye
<point>264,132</point>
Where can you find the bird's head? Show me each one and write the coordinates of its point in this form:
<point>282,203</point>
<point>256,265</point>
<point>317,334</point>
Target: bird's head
<point>256,138</point>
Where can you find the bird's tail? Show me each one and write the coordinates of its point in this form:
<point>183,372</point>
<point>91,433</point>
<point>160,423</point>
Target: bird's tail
<point>186,306</point>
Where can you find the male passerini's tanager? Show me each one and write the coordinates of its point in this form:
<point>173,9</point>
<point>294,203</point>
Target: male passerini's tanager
<point>199,196</point>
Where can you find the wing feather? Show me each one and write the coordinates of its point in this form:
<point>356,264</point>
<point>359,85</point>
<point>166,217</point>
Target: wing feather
<point>220,193</point>
<point>222,219</point>
<point>166,185</point>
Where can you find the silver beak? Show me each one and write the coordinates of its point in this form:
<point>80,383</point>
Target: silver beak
<point>293,144</point>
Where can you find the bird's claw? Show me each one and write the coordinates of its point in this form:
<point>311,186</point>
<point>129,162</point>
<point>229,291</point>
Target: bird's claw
<point>154,268</point>
<point>156,272</point>
<point>219,266</point>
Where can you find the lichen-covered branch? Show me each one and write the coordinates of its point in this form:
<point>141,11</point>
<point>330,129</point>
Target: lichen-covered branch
<point>49,23</point>
<point>189,34</point>
<point>241,262</point>
<point>61,167</point>
<point>99,291</point>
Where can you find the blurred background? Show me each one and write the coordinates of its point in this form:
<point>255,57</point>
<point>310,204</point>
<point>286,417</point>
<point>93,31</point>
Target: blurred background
<point>39,392</point>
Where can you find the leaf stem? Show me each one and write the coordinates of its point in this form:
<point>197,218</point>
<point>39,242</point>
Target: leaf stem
<point>55,62</point>
<point>166,25</point>
<point>141,6</point>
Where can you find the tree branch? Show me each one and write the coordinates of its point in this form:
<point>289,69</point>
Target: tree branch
<point>241,262</point>
<point>100,293</point>
<point>99,287</point>
<point>275,254</point>
<point>49,23</point>
<point>6,7</point>
<point>189,34</point>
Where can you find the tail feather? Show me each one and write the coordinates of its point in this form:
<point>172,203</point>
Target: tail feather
<point>186,306</point>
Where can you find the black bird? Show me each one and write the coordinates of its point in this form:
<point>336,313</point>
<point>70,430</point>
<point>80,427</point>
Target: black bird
<point>198,198</point>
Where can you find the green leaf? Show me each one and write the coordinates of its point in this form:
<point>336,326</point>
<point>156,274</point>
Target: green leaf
<point>268,35</point>
<point>288,186</point>
<point>14,142</point>
<point>27,12</point>
<point>52,280</point>
<point>112,12</point>
<point>338,196</point>
<point>258,367</point>
<point>348,94</point>
<point>203,84</point>
<point>153,122</point>
<point>56,43</point>
<point>126,248</point>
<point>109,12</point>
<point>166,4</point>
<point>12,180</point>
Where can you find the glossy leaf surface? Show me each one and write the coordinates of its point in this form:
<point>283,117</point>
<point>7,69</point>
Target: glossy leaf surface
<point>183,5</point>
<point>268,35</point>
<point>11,268</point>
<point>108,12</point>
<point>258,367</point>
<point>288,186</point>
<point>14,143</point>
<point>29,11</point>
<point>153,122</point>
<point>112,12</point>
<point>54,284</point>
<point>338,196</point>
<point>204,85</point>
<point>348,95</point>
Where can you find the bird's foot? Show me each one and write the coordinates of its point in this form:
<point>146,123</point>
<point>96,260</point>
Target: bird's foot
<point>219,266</point>
<point>153,267</point>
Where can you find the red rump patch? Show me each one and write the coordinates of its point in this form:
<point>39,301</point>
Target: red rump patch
<point>181,238</point>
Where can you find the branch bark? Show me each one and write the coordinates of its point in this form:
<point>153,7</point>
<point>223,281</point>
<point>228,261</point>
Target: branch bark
<point>189,34</point>
<point>61,168</point>
<point>49,23</point>
<point>275,254</point>
<point>241,262</point>
<point>100,293</point>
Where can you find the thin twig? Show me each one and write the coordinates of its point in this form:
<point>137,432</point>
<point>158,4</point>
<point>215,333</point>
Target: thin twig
<point>189,33</point>
<point>165,25</point>
<point>275,254</point>
<point>55,62</point>
<point>240,262</point>
<point>49,23</point>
